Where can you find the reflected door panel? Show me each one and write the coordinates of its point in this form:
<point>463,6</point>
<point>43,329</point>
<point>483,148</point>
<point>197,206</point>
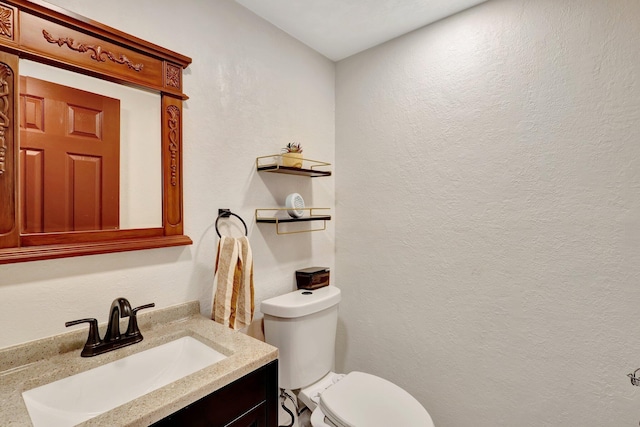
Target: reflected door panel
<point>69,155</point>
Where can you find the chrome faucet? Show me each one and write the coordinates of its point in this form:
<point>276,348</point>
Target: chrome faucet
<point>113,339</point>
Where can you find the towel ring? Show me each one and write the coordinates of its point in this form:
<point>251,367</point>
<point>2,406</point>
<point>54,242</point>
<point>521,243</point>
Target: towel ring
<point>226,213</point>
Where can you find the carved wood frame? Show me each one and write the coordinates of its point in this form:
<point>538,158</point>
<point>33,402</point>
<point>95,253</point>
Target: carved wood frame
<point>45,33</point>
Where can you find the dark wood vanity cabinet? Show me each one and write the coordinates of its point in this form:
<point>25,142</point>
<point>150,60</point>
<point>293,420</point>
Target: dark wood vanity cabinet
<point>251,401</point>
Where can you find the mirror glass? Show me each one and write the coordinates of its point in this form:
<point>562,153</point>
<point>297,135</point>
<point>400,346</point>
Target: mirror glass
<point>140,170</point>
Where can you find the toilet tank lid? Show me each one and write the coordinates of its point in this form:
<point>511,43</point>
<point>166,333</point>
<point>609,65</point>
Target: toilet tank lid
<point>301,302</point>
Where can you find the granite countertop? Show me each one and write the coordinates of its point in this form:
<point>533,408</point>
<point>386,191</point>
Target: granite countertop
<point>40,362</point>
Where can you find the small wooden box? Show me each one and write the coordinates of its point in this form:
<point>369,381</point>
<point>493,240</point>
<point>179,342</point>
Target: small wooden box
<point>312,277</point>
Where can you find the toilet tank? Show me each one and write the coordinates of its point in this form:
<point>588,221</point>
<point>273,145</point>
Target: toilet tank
<point>302,324</point>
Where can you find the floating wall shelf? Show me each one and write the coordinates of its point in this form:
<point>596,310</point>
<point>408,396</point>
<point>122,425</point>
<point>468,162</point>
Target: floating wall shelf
<point>310,168</point>
<point>279,216</point>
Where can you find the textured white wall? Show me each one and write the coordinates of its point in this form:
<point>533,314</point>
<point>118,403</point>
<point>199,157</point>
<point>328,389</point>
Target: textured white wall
<point>488,204</point>
<point>252,89</point>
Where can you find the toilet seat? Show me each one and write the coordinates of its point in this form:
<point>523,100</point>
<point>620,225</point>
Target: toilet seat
<point>318,419</point>
<point>360,399</point>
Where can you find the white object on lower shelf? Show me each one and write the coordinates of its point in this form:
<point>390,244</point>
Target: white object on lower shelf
<point>295,205</point>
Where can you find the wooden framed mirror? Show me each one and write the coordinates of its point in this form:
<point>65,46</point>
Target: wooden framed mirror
<point>44,34</point>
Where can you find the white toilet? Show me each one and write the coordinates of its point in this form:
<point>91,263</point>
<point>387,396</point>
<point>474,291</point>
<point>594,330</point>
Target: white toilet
<point>302,324</point>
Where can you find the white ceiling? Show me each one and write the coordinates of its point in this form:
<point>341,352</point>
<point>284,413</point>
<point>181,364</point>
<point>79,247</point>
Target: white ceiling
<point>340,28</point>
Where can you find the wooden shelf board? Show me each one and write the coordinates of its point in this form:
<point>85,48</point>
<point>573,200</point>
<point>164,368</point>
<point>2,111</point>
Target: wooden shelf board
<point>271,220</point>
<point>293,171</point>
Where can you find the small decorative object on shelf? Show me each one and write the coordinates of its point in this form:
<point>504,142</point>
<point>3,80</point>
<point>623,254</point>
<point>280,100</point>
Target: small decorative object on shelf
<point>292,155</point>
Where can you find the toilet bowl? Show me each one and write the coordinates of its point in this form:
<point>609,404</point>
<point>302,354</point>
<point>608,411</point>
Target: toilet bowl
<point>302,324</point>
<point>360,399</point>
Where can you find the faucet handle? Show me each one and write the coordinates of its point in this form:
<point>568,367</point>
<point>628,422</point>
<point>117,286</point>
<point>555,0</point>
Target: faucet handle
<point>133,329</point>
<point>93,339</point>
<point>142,307</point>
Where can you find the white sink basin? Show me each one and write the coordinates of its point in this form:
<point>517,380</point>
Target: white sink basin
<point>75,399</point>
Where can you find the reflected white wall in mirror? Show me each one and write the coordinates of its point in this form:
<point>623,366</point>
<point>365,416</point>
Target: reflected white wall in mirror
<point>140,137</point>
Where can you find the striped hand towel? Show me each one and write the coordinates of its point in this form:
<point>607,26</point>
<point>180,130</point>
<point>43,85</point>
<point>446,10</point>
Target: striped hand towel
<point>233,303</point>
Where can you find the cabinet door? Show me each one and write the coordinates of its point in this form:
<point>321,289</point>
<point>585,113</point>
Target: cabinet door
<point>251,401</point>
<point>257,417</point>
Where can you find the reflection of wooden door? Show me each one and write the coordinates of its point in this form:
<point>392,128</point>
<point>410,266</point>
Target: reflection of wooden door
<point>69,158</point>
